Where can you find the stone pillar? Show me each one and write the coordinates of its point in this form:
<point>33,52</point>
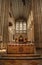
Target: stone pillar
<point>2,12</point>
<point>0,23</point>
<point>5,11</point>
<point>31,27</point>
<point>12,8</point>
<point>40,28</point>
<point>5,26</point>
<point>36,6</point>
<point>12,20</point>
<point>0,18</point>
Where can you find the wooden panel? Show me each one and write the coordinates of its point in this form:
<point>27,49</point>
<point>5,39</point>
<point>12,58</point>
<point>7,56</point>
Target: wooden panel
<point>20,48</point>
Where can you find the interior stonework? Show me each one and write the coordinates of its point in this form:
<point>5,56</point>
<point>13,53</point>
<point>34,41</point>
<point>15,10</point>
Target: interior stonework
<point>21,32</point>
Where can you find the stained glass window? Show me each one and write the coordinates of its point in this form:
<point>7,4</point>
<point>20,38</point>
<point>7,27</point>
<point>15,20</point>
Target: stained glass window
<point>20,27</point>
<point>24,25</point>
<point>17,25</point>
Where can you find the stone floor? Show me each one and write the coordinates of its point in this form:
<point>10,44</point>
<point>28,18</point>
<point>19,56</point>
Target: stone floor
<point>12,59</point>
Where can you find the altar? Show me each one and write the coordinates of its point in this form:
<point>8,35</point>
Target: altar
<point>21,48</point>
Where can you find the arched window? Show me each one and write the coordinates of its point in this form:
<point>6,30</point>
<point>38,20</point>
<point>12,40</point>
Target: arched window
<point>21,27</point>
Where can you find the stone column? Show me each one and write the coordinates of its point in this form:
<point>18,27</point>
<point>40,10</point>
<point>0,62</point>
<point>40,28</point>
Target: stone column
<point>0,17</point>
<point>36,6</point>
<point>5,26</point>
<point>2,12</point>
<point>40,25</point>
<point>12,8</point>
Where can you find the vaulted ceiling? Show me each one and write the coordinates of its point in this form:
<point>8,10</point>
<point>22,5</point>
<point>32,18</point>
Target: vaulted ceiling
<point>20,8</point>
